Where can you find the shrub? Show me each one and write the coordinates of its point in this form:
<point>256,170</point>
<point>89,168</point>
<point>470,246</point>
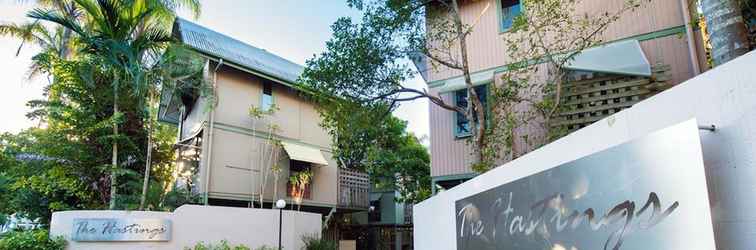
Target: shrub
<point>31,240</point>
<point>314,242</point>
<point>264,247</point>
<point>223,245</point>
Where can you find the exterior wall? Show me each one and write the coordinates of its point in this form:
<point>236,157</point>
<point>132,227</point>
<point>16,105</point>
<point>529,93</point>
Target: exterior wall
<point>192,224</point>
<point>487,49</point>
<point>451,157</point>
<point>723,96</point>
<point>236,146</point>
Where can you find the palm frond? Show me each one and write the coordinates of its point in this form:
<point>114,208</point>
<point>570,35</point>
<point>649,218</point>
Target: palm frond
<point>58,18</point>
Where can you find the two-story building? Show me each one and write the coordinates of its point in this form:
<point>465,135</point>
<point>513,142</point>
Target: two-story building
<point>644,52</point>
<point>224,151</point>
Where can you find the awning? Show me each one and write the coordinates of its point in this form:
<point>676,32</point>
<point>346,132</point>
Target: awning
<point>299,152</point>
<point>458,83</point>
<point>625,57</point>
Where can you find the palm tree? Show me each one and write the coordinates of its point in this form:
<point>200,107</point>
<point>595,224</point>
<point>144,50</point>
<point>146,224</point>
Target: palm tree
<point>727,30</point>
<point>117,35</point>
<point>51,41</point>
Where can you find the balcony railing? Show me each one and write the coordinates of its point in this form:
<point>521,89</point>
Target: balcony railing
<point>354,189</point>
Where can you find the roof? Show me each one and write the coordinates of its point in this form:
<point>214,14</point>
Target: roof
<point>218,45</point>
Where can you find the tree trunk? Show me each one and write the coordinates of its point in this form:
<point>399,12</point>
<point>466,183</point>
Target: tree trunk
<point>476,110</point>
<point>148,162</point>
<point>727,30</point>
<point>252,164</point>
<point>114,171</point>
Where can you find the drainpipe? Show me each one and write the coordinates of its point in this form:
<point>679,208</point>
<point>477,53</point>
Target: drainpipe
<point>691,38</point>
<point>210,133</point>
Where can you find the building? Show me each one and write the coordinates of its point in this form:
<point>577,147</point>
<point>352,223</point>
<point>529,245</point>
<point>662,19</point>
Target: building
<point>223,151</point>
<point>656,41</point>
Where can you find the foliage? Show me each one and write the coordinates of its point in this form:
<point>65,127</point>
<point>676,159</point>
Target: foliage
<point>371,140</point>
<point>264,247</point>
<point>271,148</point>
<point>31,240</point>
<point>314,242</point>
<point>119,52</point>
<point>223,245</point>
<point>299,182</point>
<point>37,181</point>
<point>397,161</point>
<point>366,62</point>
<point>545,37</point>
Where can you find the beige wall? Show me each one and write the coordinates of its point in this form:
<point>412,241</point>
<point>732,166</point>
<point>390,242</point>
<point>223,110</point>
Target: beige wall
<point>237,147</point>
<point>486,48</point>
<point>192,224</point>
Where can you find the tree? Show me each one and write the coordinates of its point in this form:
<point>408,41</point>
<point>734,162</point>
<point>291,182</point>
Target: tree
<point>397,161</point>
<point>363,64</point>
<point>268,151</point>
<point>117,35</point>
<point>369,139</point>
<point>544,39</point>
<point>366,62</point>
<point>727,28</point>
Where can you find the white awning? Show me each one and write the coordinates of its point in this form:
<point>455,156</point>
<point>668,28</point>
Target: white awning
<point>625,57</point>
<point>458,83</point>
<point>299,152</point>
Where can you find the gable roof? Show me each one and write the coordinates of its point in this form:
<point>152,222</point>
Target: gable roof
<point>218,45</point>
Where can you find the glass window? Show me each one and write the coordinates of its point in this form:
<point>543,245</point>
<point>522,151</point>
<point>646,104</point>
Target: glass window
<point>462,126</point>
<point>267,96</point>
<point>509,10</point>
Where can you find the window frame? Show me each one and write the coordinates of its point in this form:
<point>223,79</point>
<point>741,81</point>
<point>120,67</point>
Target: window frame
<point>499,16</point>
<point>455,132</point>
<point>265,85</point>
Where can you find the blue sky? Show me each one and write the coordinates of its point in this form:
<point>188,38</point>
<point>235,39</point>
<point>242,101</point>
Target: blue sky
<point>292,29</point>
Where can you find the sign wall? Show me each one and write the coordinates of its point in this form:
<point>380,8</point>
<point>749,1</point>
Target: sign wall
<point>649,193</point>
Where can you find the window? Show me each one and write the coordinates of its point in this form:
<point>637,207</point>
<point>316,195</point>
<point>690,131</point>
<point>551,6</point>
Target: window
<point>267,96</point>
<point>508,10</point>
<point>462,125</point>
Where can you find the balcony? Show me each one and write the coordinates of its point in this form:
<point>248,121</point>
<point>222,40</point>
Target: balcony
<point>353,189</point>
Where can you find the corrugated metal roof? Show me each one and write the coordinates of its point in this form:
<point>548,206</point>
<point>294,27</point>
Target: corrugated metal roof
<point>219,45</point>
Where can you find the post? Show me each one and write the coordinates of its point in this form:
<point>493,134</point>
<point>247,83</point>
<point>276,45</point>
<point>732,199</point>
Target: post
<point>280,204</point>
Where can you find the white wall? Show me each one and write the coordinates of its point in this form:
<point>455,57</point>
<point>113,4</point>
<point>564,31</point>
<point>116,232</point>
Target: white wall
<point>192,224</point>
<point>724,96</point>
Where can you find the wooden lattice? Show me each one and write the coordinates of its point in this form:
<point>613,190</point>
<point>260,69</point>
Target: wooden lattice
<point>589,97</point>
<point>354,188</point>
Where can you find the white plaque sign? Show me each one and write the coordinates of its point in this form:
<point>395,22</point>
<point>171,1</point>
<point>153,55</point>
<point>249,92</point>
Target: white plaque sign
<point>112,229</point>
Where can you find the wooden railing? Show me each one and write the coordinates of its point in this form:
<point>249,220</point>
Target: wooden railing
<point>353,189</point>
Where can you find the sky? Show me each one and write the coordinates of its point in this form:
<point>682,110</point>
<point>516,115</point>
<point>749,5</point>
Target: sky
<point>293,29</point>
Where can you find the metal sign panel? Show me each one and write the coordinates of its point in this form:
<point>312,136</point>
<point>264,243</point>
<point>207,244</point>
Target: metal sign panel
<point>119,229</point>
<point>649,193</point>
